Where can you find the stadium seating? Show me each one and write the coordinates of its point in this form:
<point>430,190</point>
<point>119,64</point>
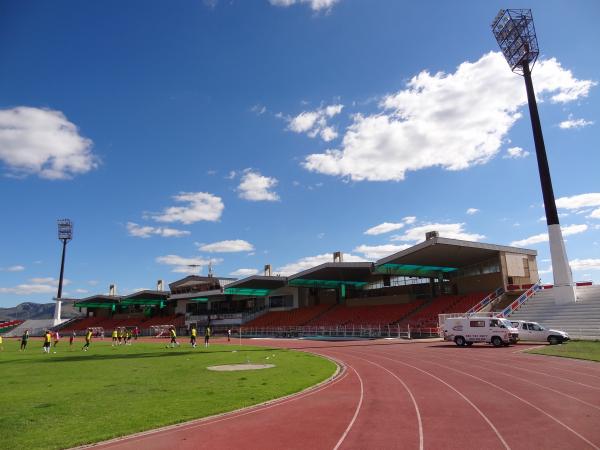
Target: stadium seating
<point>292,318</point>
<point>365,315</point>
<point>111,323</point>
<point>427,317</point>
<point>8,325</point>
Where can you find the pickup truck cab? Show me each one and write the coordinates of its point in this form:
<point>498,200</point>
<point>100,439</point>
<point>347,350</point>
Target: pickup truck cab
<point>533,331</point>
<point>466,330</point>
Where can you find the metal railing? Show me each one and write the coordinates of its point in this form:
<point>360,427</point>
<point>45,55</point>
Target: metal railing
<point>487,300</point>
<point>520,300</point>
<point>341,331</point>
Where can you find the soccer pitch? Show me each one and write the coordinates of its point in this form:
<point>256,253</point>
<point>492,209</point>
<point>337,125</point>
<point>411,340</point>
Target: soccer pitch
<point>73,397</point>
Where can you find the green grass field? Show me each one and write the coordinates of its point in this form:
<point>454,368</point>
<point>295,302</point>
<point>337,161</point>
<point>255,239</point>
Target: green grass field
<point>74,397</point>
<point>573,349</point>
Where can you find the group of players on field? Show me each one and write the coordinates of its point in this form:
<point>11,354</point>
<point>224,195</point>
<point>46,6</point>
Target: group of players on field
<point>121,336</point>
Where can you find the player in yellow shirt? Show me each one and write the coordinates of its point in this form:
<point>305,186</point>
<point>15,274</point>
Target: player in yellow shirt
<point>47,340</point>
<point>88,339</point>
<point>194,333</point>
<point>173,337</point>
<point>114,337</point>
<point>1,344</point>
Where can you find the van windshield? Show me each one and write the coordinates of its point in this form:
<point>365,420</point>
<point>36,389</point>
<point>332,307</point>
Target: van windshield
<point>505,323</point>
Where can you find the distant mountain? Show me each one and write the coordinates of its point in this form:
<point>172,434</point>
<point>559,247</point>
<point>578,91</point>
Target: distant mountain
<point>30,310</point>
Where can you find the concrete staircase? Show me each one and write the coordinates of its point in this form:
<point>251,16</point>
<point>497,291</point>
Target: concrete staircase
<point>580,319</point>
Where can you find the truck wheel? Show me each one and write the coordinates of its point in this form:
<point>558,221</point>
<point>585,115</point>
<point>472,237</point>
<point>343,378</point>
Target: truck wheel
<point>496,341</point>
<point>553,340</point>
<point>460,341</point>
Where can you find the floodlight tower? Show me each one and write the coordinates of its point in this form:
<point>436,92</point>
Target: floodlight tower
<point>515,33</point>
<point>65,234</point>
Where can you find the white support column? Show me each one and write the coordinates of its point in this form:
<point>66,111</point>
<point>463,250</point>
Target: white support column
<point>564,288</point>
<point>57,310</point>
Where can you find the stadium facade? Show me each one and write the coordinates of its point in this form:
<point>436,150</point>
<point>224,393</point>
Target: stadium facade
<point>424,276</point>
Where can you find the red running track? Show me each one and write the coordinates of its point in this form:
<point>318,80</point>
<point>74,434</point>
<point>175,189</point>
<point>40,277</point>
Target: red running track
<point>392,395</point>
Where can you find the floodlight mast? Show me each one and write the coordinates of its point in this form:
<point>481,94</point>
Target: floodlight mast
<point>515,33</point>
<point>65,234</point>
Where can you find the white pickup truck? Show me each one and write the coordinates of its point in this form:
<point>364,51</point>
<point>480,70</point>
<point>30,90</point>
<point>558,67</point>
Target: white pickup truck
<point>533,331</point>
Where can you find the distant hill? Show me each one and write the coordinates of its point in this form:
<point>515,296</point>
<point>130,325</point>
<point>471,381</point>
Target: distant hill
<point>29,310</point>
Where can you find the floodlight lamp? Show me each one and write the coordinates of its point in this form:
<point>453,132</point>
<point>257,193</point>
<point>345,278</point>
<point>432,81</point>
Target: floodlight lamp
<point>65,229</point>
<point>515,33</point>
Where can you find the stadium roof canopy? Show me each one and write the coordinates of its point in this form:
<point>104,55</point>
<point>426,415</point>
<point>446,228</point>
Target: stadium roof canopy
<point>146,298</point>
<point>98,301</point>
<point>445,255</point>
<point>194,296</point>
<point>194,280</point>
<point>256,285</point>
<point>334,274</point>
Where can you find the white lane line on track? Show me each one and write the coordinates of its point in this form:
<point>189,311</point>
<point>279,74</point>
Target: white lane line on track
<point>362,393</point>
<point>520,355</point>
<point>464,397</point>
<point>412,397</point>
<point>537,372</point>
<point>509,393</point>
<point>504,374</point>
<point>207,421</point>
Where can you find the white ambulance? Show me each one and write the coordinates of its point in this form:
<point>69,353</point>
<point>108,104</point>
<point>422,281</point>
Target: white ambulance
<point>466,330</point>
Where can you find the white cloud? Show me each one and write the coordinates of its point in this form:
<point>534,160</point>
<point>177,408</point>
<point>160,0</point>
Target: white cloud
<point>258,109</point>
<point>42,142</point>
<point>16,268</point>
<point>472,211</point>
<point>447,230</point>
<point>314,123</point>
<point>409,220</point>
<point>585,264</point>
<point>379,251</point>
<point>28,289</point>
<point>93,282</point>
<point>383,228</point>
<point>200,206</point>
<point>186,265</point>
<point>515,153</point>
<point>576,202</point>
<point>146,231</point>
<point>312,261</point>
<point>452,121</point>
<point>543,237</point>
<point>315,5</point>
<point>49,280</point>
<point>243,273</point>
<point>237,245</point>
<point>256,187</point>
<point>595,214</point>
<point>38,285</point>
<point>574,123</point>
<point>81,291</point>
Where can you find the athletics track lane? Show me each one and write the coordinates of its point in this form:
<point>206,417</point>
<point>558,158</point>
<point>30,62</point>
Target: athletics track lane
<point>397,395</point>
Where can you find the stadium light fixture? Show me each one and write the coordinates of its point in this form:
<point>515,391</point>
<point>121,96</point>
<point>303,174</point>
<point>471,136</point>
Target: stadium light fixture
<point>515,33</point>
<point>65,234</point>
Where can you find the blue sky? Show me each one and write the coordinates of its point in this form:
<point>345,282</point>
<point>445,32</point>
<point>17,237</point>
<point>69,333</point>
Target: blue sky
<point>256,132</point>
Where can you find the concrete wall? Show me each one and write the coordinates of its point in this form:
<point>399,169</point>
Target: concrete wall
<point>479,283</point>
<point>531,271</point>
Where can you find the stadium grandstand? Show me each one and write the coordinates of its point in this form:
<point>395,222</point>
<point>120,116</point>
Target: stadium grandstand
<point>405,290</point>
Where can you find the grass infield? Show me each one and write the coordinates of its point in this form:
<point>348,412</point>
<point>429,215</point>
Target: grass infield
<point>573,349</point>
<point>73,397</point>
